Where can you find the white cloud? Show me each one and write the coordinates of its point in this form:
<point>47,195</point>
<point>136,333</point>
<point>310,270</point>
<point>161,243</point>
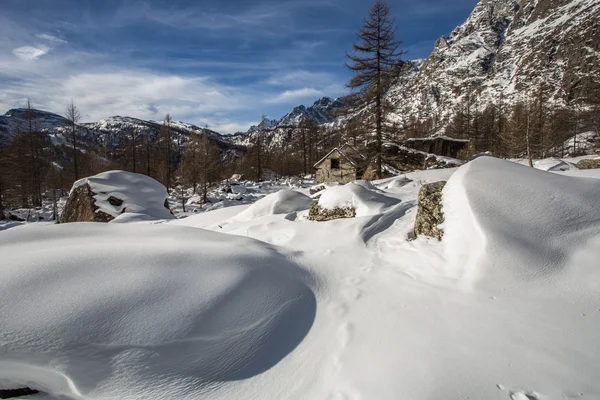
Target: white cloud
<point>52,39</point>
<point>229,126</point>
<point>296,95</point>
<point>30,53</point>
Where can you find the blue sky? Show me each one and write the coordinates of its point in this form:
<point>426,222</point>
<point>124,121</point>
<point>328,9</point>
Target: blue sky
<point>221,63</point>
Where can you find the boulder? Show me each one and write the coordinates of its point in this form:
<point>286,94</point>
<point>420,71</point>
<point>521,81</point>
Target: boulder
<point>317,213</point>
<point>103,197</point>
<point>589,164</point>
<point>430,213</point>
<point>81,207</point>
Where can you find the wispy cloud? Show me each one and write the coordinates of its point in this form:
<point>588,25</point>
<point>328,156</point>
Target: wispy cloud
<point>296,95</point>
<point>30,53</point>
<point>267,16</point>
<point>51,39</point>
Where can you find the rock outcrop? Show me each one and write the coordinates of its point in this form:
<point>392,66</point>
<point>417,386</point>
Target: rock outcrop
<point>430,213</point>
<point>81,207</point>
<point>318,213</point>
<point>589,164</point>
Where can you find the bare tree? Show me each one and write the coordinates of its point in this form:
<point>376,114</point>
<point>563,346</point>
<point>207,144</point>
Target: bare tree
<point>376,62</point>
<point>201,163</point>
<point>73,116</point>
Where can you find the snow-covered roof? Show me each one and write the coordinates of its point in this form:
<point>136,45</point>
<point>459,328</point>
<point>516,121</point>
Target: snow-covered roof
<point>428,139</point>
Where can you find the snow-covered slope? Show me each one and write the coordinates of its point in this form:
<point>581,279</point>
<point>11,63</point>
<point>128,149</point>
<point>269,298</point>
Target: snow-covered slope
<point>508,50</point>
<point>16,120</point>
<point>505,218</point>
<point>276,133</point>
<point>345,309</point>
<point>138,312</point>
<point>112,133</point>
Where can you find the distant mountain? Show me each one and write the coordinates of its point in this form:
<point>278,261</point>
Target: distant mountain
<point>277,133</point>
<point>508,50</point>
<point>16,119</point>
<point>111,132</point>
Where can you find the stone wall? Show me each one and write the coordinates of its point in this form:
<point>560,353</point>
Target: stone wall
<point>346,172</point>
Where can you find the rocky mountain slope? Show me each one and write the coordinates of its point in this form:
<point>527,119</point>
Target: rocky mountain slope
<point>111,132</point>
<point>277,133</point>
<point>508,50</point>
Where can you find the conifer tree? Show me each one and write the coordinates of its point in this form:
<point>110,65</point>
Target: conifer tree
<point>376,60</point>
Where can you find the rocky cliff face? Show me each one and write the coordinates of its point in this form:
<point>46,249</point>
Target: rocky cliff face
<point>277,133</point>
<point>508,50</point>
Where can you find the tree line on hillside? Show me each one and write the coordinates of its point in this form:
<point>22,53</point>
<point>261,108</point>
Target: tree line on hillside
<point>37,165</point>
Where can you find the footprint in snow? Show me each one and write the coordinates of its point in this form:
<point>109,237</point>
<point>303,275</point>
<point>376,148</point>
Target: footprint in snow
<point>345,333</point>
<point>524,396</point>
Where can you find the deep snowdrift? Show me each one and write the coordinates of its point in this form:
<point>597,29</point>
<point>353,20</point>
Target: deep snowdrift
<point>282,202</point>
<point>502,217</point>
<point>125,311</point>
<point>360,195</point>
<point>140,194</point>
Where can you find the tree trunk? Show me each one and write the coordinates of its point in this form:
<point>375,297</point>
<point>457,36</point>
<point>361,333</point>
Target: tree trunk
<point>527,136</point>
<point>75,152</point>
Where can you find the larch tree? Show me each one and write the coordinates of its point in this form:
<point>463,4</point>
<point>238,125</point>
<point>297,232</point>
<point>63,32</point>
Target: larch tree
<point>73,116</point>
<point>376,60</point>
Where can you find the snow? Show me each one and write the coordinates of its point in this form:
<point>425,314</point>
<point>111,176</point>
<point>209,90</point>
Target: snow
<point>505,307</point>
<point>140,194</point>
<point>358,195</point>
<point>174,313</point>
<point>518,218</point>
<point>282,202</point>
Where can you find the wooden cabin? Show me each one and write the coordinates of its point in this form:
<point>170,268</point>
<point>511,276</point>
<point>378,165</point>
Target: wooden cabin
<point>343,164</point>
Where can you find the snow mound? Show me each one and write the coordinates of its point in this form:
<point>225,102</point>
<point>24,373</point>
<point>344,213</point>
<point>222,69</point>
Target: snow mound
<point>503,218</point>
<point>124,311</point>
<point>139,193</point>
<point>362,196</point>
<point>398,182</point>
<point>553,164</point>
<point>282,202</point>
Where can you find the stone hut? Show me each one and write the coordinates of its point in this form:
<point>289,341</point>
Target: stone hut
<point>441,145</point>
<point>343,164</point>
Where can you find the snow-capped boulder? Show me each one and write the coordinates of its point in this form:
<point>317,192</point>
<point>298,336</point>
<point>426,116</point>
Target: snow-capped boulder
<point>282,202</point>
<point>430,214</point>
<point>356,199</point>
<point>103,197</point>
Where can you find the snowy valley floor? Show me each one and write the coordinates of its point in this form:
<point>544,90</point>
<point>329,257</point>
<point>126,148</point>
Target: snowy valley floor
<point>257,302</point>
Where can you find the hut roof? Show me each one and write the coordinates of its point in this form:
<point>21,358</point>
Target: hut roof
<point>354,160</point>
